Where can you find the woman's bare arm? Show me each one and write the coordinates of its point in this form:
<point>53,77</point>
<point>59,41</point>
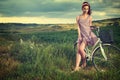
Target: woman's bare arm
<point>77,20</point>
<point>90,20</point>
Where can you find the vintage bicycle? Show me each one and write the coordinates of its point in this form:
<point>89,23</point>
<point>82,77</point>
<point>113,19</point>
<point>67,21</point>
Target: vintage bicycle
<point>103,54</point>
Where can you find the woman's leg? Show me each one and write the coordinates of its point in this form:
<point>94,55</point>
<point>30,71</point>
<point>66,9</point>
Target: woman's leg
<point>83,54</point>
<point>78,58</point>
<point>80,54</point>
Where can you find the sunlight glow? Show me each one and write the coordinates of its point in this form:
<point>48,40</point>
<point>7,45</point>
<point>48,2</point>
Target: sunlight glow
<point>39,20</point>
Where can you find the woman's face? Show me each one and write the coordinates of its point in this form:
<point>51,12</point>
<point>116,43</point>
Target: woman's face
<point>85,9</point>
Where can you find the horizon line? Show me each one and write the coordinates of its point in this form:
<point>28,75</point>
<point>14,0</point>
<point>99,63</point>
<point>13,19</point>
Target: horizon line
<point>56,22</point>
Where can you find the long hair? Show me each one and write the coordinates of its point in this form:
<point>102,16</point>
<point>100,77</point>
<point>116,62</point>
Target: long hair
<point>87,4</point>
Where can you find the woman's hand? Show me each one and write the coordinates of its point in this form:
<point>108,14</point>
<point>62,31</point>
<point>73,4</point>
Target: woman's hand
<point>92,27</point>
<point>79,36</point>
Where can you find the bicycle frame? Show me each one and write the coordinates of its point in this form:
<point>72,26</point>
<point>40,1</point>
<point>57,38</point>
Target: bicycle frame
<point>98,53</point>
<point>98,44</point>
<point>89,53</point>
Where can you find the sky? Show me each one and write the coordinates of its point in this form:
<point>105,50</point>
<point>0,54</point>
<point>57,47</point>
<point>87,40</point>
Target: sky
<point>54,11</point>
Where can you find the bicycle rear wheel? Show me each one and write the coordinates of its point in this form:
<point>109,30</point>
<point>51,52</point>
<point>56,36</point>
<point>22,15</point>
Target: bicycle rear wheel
<point>113,58</point>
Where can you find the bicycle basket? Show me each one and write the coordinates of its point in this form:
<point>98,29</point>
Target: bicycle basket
<point>106,36</point>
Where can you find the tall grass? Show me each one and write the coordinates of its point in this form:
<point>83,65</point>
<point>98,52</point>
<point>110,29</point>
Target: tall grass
<point>45,56</point>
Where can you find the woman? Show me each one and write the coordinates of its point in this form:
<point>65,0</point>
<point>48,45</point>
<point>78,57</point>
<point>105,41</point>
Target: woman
<point>85,35</point>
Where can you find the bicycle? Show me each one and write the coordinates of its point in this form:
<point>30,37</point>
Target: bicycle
<point>104,56</point>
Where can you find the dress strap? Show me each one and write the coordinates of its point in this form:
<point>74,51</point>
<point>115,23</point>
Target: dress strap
<point>79,17</point>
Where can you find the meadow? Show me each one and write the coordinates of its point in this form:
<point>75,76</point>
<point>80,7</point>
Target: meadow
<point>46,52</point>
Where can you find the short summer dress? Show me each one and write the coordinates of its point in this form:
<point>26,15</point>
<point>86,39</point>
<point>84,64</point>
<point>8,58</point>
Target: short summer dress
<point>86,32</point>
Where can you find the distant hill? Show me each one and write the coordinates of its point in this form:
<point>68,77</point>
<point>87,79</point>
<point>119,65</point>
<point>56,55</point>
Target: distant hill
<point>112,20</point>
<point>21,27</point>
<point>107,22</point>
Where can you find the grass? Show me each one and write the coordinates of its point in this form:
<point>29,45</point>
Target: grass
<point>46,56</point>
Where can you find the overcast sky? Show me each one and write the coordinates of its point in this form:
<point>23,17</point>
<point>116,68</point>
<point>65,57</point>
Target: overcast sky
<point>55,11</point>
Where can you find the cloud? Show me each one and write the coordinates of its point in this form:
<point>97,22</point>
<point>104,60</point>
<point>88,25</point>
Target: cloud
<point>18,8</point>
<point>62,1</point>
<point>58,8</point>
<point>100,13</point>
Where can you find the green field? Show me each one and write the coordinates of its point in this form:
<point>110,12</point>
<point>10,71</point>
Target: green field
<point>45,52</point>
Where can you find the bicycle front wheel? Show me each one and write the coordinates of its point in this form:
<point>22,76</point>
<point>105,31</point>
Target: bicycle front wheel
<point>113,58</point>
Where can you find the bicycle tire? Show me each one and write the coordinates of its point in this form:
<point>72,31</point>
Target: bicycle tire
<point>113,58</point>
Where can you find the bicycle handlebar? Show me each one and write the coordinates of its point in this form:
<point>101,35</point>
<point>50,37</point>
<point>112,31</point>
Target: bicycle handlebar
<point>97,28</point>
<point>94,27</point>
